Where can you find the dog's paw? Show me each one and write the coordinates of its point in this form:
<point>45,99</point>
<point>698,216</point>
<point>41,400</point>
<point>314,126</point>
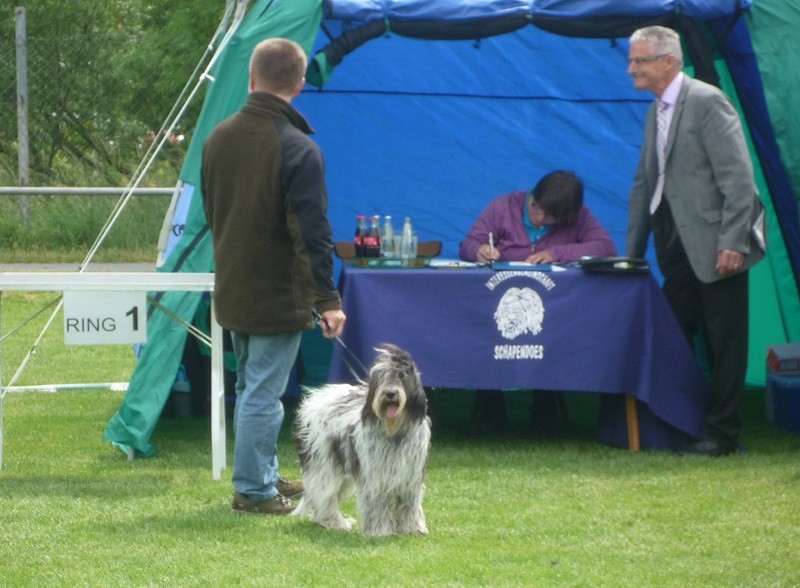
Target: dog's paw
<point>337,524</point>
<point>412,530</point>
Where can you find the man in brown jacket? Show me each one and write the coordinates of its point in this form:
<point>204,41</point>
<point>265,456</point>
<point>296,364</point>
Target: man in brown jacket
<point>265,200</point>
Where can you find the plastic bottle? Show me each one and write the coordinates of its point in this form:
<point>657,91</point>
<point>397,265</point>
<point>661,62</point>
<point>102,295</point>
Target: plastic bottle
<point>387,239</point>
<point>407,240</point>
<point>372,242</point>
<point>361,234</point>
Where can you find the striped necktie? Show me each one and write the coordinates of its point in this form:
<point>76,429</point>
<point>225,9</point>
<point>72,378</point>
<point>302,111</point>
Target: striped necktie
<point>661,147</point>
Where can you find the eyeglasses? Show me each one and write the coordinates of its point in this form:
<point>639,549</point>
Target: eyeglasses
<point>649,59</point>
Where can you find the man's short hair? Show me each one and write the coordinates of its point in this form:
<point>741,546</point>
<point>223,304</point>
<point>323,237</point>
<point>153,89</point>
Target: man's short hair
<point>278,65</point>
<point>662,40</point>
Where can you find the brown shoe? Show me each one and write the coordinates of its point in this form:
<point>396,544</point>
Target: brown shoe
<point>290,489</point>
<point>278,505</point>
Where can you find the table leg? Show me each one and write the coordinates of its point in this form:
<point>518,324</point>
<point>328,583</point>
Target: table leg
<point>632,418</point>
<point>2,390</point>
<point>1,427</point>
<point>218,446</point>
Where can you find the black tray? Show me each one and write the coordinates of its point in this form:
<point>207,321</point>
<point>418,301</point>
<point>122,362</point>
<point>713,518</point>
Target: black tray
<point>622,265</point>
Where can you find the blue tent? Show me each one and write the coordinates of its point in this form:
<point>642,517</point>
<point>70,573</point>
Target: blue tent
<point>430,108</point>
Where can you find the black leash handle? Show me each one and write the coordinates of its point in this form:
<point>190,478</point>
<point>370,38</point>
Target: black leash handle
<point>319,319</point>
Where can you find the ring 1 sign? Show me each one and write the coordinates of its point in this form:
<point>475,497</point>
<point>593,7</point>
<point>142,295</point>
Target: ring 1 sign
<point>104,317</point>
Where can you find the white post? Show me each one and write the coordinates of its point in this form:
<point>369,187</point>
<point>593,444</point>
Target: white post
<point>218,447</point>
<point>2,395</point>
<point>2,390</point>
<point>23,151</point>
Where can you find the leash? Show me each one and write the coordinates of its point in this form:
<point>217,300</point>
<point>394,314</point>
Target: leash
<point>319,319</point>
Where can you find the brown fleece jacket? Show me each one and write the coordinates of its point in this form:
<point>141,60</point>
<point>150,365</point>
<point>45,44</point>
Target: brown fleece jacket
<point>265,200</point>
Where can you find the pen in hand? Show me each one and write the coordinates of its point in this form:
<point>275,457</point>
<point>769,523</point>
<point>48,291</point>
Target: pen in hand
<point>491,248</point>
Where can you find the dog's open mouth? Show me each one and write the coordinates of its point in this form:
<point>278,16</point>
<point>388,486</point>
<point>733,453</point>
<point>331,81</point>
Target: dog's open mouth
<point>391,410</point>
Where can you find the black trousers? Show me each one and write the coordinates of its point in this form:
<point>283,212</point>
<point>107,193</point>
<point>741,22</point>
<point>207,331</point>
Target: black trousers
<point>721,309</point>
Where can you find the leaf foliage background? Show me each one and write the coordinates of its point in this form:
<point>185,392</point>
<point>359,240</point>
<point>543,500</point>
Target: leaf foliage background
<point>101,77</point>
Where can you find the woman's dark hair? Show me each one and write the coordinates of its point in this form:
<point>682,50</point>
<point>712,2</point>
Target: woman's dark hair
<point>560,195</point>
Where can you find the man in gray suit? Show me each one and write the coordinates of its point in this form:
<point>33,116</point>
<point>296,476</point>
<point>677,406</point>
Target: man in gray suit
<point>694,189</point>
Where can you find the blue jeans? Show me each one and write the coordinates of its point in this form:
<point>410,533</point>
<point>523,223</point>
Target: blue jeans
<point>264,365</point>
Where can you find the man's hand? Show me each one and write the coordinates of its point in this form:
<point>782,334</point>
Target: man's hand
<point>729,262</point>
<point>332,323</point>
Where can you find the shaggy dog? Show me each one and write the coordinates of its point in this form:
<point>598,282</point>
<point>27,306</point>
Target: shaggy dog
<point>372,437</point>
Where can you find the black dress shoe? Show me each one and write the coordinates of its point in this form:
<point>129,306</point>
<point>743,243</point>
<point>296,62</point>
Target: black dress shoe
<point>711,448</point>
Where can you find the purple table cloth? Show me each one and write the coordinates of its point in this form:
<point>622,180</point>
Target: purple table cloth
<point>562,330</point>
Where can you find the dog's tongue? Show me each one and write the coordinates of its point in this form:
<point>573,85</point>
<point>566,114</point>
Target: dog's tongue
<point>391,411</point>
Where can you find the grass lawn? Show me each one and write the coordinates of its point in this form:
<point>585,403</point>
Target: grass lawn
<point>513,510</point>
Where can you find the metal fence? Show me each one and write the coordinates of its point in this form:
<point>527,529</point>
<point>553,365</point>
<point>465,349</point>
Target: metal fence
<point>83,110</point>
<point>93,107</point>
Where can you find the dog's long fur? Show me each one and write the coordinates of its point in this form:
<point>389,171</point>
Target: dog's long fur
<point>372,438</point>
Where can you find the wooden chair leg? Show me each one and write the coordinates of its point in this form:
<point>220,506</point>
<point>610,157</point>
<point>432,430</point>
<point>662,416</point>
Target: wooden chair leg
<point>632,418</point>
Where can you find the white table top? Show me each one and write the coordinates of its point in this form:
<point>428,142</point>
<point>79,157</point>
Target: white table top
<point>109,281</point>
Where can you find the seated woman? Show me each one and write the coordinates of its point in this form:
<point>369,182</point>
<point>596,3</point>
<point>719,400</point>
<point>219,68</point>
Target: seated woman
<point>548,224</point>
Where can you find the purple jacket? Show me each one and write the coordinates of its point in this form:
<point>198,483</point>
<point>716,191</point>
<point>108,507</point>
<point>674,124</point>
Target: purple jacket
<point>503,218</point>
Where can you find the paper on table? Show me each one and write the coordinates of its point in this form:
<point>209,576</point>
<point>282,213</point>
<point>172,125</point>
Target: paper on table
<point>452,263</point>
<point>524,265</point>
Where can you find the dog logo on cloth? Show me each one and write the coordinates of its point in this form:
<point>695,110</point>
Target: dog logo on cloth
<point>520,311</point>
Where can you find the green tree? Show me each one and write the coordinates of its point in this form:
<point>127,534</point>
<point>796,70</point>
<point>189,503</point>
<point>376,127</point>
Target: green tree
<point>101,76</point>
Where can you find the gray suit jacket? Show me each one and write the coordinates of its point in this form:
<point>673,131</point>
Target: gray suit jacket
<point>708,182</point>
